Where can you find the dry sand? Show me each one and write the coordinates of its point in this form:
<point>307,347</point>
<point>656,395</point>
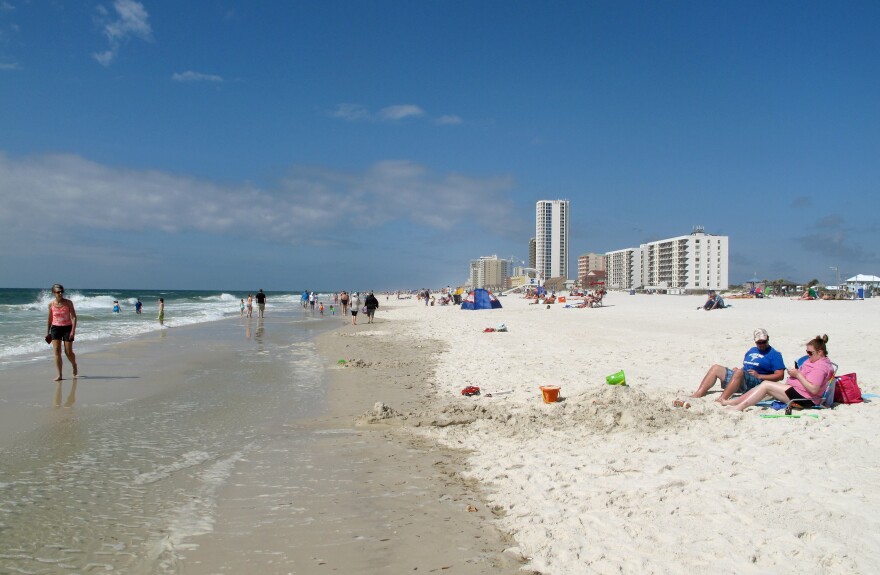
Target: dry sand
<point>616,479</point>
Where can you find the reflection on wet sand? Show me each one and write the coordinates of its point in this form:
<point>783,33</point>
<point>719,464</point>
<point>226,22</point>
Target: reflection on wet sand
<point>258,335</point>
<point>71,397</point>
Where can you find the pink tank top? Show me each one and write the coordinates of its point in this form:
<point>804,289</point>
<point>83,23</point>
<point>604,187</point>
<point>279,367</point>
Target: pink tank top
<point>61,315</point>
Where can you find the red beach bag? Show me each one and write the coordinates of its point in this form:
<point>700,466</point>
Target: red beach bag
<point>847,389</point>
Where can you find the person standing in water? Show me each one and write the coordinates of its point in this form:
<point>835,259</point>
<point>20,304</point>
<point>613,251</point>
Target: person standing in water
<point>62,329</point>
<point>161,311</point>
<point>261,303</point>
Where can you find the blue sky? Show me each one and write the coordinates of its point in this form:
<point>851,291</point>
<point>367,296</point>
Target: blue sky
<point>231,144</point>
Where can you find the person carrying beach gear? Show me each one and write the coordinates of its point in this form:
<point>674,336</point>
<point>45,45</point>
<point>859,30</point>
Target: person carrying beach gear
<point>760,363</point>
<point>807,382</point>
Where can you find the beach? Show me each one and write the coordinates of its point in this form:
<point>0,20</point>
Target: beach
<point>300,444</point>
<point>228,446</point>
<point>616,479</point>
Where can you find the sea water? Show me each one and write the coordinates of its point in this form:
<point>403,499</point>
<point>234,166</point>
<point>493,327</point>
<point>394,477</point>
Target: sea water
<point>124,487</point>
<point>24,314</point>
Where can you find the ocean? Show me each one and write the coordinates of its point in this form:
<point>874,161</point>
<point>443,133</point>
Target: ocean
<point>23,314</point>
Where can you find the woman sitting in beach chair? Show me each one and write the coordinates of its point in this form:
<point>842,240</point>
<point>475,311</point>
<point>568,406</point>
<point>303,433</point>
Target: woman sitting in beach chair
<point>809,381</point>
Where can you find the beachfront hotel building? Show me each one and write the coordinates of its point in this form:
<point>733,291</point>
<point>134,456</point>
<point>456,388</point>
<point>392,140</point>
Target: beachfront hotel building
<point>551,238</point>
<point>692,263</point>
<point>591,263</point>
<point>533,247</point>
<point>489,272</point>
<point>624,269</point>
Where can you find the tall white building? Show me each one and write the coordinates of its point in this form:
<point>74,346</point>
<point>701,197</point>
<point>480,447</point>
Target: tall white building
<point>624,269</point>
<point>696,262</point>
<point>551,238</point>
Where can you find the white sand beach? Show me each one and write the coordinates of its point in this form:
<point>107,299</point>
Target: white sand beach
<point>299,476</point>
<point>616,479</point>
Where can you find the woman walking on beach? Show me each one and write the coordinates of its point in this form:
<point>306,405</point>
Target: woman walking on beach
<point>161,311</point>
<point>62,329</point>
<point>355,307</point>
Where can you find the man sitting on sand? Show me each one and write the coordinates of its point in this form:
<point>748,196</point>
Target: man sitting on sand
<point>761,363</point>
<point>713,301</point>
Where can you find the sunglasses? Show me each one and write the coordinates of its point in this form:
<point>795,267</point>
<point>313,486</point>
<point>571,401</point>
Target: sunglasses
<point>62,291</point>
<point>762,342</point>
<point>810,353</point>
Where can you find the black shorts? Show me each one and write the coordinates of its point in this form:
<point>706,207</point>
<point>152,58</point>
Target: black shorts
<point>61,332</point>
<point>793,395</point>
<point>354,311</point>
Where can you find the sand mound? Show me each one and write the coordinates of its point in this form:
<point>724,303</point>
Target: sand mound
<point>380,413</point>
<point>603,410</point>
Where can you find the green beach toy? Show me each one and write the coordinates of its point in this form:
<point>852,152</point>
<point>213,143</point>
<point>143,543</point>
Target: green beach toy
<point>616,378</point>
<point>341,361</point>
<point>792,416</point>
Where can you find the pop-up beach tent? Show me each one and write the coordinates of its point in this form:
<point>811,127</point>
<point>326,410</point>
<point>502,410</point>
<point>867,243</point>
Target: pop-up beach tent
<point>480,299</point>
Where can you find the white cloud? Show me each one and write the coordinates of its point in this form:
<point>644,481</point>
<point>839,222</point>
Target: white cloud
<point>351,112</point>
<point>6,7</point>
<point>131,20</point>
<point>190,76</point>
<point>9,66</point>
<point>400,112</point>
<point>308,205</point>
<point>395,113</point>
<point>449,120</point>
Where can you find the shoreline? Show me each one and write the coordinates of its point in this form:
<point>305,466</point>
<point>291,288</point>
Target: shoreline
<point>371,497</point>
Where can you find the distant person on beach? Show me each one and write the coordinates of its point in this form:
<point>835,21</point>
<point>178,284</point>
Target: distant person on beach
<point>355,301</point>
<point>61,328</point>
<point>372,305</point>
<point>809,381</point>
<point>241,310</point>
<point>261,302</point>
<point>250,305</point>
<point>305,298</point>
<point>138,306</point>
<point>161,311</point>
<point>761,363</point>
<point>115,306</point>
<point>321,308</point>
<point>343,297</point>
<point>713,301</point>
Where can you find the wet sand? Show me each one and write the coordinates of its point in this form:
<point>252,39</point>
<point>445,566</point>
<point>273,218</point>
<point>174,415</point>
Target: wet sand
<point>232,447</point>
<point>328,494</point>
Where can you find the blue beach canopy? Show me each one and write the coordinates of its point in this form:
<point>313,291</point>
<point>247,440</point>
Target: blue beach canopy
<point>480,299</point>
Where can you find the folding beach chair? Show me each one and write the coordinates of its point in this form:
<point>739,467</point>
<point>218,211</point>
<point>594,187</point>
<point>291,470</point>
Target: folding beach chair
<point>827,397</point>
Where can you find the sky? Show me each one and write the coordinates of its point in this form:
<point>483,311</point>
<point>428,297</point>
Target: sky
<point>225,144</point>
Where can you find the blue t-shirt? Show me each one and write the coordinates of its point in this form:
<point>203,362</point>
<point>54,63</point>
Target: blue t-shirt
<point>764,362</point>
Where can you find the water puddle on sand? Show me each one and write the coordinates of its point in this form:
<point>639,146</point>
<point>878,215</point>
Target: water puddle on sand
<point>122,489</point>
